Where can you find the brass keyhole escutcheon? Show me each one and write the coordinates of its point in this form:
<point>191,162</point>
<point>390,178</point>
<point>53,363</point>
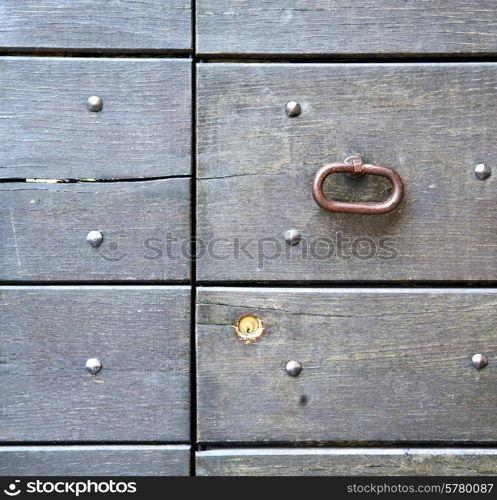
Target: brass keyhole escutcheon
<point>249,327</point>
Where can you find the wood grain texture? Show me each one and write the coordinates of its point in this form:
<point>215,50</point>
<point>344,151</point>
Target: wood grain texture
<point>96,24</point>
<point>141,336</point>
<point>432,123</point>
<point>378,365</point>
<point>95,460</point>
<point>348,462</point>
<point>43,230</point>
<point>46,130</point>
<point>305,27</point>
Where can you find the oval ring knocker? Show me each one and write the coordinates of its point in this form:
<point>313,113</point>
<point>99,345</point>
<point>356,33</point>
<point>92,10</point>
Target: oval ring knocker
<point>355,166</point>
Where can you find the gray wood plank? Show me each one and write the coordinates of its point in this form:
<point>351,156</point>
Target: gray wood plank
<point>43,230</point>
<point>337,27</point>
<point>379,365</point>
<point>141,337</point>
<point>46,130</point>
<point>348,462</point>
<point>96,24</point>
<point>95,460</point>
<point>432,123</point>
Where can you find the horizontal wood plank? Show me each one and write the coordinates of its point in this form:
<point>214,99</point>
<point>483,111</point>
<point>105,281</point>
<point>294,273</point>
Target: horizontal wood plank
<point>95,460</point>
<point>96,24</point>
<point>338,27</point>
<point>348,462</point>
<point>46,130</point>
<point>378,365</point>
<point>432,123</point>
<point>141,337</point>
<point>44,227</point>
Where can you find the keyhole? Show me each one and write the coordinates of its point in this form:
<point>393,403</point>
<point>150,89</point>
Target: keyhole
<point>249,327</point>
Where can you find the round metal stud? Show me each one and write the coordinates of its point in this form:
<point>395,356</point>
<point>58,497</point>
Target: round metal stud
<point>93,365</point>
<point>94,238</point>
<point>482,171</point>
<point>94,103</point>
<point>249,327</point>
<point>293,109</point>
<point>479,361</point>
<point>293,368</point>
<point>292,237</point>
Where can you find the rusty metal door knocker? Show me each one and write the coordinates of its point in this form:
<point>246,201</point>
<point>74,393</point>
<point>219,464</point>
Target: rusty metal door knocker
<point>355,166</point>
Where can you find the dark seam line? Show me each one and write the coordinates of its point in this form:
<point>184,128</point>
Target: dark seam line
<point>40,180</point>
<point>341,58</point>
<point>255,58</point>
<point>204,446</point>
<point>90,443</point>
<point>96,283</point>
<point>252,284</point>
<point>98,53</point>
<point>316,445</point>
<point>193,261</point>
<point>349,284</point>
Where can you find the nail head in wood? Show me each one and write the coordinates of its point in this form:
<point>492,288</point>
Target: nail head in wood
<point>482,171</point>
<point>292,237</point>
<point>479,361</point>
<point>293,368</point>
<point>293,109</point>
<point>94,238</point>
<point>95,104</point>
<point>93,365</point>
